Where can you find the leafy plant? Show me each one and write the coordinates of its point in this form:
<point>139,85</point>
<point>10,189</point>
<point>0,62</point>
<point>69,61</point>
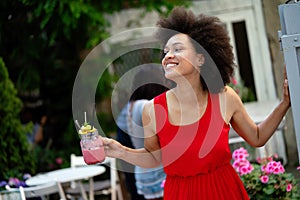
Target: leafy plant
<point>245,93</point>
<point>46,160</point>
<point>50,159</point>
<point>265,179</point>
<point>44,43</point>
<point>15,157</point>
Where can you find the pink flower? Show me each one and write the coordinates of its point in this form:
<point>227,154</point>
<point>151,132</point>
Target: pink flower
<point>236,164</point>
<point>276,186</point>
<point>245,168</point>
<point>264,179</point>
<point>279,169</point>
<point>289,187</point>
<point>270,159</point>
<point>269,169</point>
<point>59,161</point>
<point>276,171</point>
<point>13,181</point>
<point>258,159</point>
<point>273,167</point>
<point>241,164</point>
<point>234,81</point>
<point>240,154</point>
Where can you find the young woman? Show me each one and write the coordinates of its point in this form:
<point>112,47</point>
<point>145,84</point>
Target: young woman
<point>186,128</point>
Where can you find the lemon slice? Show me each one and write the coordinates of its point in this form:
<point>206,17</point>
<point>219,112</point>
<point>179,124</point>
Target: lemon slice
<point>86,129</point>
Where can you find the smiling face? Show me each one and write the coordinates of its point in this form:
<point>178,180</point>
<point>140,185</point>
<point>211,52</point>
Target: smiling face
<point>180,58</point>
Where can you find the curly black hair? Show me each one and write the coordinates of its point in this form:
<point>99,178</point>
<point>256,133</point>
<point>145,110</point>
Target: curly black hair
<point>210,37</point>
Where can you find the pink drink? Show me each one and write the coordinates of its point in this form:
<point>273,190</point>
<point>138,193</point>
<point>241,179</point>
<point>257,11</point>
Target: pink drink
<point>93,156</point>
<point>93,151</point>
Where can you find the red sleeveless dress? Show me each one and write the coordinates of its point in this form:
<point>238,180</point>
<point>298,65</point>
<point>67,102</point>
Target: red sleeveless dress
<point>196,157</point>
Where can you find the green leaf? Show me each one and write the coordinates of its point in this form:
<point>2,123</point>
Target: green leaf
<point>269,190</point>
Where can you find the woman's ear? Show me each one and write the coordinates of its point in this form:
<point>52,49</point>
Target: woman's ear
<point>200,59</point>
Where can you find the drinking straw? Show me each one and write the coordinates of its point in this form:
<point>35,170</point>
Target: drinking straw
<point>84,117</point>
<point>77,124</point>
<point>94,113</point>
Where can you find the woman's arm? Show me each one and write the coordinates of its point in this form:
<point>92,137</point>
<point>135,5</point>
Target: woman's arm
<point>147,157</point>
<point>256,135</point>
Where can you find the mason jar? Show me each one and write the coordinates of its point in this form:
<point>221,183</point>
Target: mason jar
<point>92,147</point>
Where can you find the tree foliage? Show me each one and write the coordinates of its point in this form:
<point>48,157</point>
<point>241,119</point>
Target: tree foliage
<point>15,152</point>
<point>44,42</point>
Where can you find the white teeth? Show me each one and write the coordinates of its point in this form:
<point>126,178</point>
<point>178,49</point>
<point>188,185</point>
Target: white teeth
<point>170,65</point>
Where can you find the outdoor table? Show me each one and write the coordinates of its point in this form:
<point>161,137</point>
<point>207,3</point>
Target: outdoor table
<point>66,175</point>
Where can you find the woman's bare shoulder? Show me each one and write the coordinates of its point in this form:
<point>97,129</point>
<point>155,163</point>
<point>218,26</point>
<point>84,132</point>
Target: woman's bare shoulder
<point>230,103</point>
<point>148,113</point>
<point>231,95</point>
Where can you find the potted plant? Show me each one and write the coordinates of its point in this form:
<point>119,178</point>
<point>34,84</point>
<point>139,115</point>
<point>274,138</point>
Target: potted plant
<point>265,179</point>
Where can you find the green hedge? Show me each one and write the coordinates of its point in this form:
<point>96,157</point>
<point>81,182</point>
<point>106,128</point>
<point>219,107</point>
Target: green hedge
<point>15,156</point>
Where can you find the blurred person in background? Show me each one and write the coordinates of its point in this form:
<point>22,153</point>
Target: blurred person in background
<point>147,182</point>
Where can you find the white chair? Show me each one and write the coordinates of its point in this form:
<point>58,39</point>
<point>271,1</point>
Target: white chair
<point>105,187</point>
<point>42,191</point>
<point>8,195</point>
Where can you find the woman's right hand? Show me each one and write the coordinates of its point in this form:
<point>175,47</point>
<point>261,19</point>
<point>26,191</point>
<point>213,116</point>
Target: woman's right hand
<point>113,148</point>
<point>140,157</point>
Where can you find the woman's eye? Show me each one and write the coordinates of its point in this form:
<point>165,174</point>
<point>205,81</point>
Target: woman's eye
<point>165,53</point>
<point>177,50</point>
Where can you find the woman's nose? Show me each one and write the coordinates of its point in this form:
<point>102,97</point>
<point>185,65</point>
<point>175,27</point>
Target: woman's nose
<point>168,55</point>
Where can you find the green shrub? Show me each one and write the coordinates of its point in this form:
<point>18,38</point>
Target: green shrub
<point>15,157</point>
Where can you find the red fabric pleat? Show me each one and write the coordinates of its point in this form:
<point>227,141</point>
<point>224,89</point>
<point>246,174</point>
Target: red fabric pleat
<point>223,184</point>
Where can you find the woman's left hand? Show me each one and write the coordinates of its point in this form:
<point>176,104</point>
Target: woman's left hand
<point>286,93</point>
